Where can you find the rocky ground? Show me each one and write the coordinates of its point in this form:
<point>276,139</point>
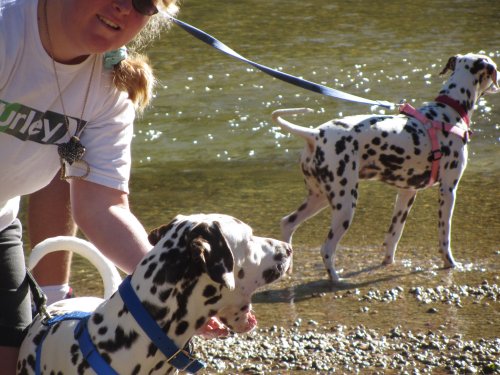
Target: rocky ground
<point>308,348</point>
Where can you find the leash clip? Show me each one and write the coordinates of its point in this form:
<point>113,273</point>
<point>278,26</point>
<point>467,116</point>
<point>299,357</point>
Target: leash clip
<point>39,298</point>
<point>401,105</point>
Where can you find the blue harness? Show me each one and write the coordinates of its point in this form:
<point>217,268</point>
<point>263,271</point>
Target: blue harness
<point>177,357</point>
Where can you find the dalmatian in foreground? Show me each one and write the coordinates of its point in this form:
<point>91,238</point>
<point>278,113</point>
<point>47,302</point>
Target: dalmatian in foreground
<point>410,151</point>
<point>202,268</point>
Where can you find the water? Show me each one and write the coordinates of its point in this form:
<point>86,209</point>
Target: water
<point>207,145</point>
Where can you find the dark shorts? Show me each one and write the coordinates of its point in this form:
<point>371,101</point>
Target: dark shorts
<point>15,311</point>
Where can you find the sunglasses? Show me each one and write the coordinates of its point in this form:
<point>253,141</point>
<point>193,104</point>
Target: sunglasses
<point>145,7</point>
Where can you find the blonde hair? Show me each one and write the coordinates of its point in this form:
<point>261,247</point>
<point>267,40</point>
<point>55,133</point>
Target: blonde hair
<point>134,75</point>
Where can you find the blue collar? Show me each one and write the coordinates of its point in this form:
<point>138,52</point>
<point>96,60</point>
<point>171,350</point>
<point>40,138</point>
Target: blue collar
<point>177,357</point>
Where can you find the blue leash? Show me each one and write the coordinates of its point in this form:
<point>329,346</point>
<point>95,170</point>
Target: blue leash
<point>308,85</point>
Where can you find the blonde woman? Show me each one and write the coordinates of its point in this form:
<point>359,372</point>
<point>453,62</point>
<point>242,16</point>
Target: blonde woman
<point>67,103</point>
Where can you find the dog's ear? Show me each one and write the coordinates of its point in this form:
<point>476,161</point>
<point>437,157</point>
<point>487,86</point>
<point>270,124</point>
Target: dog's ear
<point>158,233</point>
<point>450,65</point>
<point>208,244</point>
<point>492,72</point>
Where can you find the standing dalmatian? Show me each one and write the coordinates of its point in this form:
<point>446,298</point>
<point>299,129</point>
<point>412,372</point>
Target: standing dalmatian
<point>410,151</point>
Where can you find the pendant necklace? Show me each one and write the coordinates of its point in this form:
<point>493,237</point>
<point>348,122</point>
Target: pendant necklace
<point>73,150</point>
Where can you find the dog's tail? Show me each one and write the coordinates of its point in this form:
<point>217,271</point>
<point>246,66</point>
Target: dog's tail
<point>109,274</point>
<point>307,133</point>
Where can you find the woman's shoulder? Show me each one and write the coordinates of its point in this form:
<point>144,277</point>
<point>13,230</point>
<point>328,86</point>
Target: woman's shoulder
<point>108,99</point>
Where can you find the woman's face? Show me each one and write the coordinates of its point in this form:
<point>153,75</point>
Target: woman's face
<point>97,26</point>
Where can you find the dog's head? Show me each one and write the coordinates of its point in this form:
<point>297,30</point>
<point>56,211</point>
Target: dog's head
<point>475,71</point>
<point>212,264</point>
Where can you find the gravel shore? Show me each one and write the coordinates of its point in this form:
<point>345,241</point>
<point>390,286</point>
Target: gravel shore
<point>308,348</point>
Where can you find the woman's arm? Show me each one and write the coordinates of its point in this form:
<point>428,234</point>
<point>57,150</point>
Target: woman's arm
<point>104,216</point>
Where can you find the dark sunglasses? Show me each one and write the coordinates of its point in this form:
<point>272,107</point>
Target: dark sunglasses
<point>145,7</point>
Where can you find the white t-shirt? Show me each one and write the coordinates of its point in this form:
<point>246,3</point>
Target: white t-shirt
<point>32,119</point>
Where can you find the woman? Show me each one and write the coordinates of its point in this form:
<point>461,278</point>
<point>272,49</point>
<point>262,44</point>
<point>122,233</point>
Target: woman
<point>63,104</point>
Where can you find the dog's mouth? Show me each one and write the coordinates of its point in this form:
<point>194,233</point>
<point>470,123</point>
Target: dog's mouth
<point>215,328</point>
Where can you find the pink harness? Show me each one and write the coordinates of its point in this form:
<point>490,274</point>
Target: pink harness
<point>433,126</point>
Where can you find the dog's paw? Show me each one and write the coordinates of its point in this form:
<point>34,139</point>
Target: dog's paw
<point>454,265</point>
<point>388,260</point>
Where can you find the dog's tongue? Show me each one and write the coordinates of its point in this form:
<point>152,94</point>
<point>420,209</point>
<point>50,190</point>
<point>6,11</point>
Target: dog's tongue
<point>252,321</point>
<point>213,329</point>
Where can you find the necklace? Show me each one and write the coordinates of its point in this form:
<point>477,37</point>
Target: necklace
<point>73,150</point>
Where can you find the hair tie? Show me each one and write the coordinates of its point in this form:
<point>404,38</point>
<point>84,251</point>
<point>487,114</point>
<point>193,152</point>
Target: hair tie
<point>112,58</point>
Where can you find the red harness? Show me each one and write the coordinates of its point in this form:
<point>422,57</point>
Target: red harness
<point>433,126</point>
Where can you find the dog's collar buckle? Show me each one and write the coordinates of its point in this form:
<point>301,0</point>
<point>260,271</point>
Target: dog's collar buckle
<point>186,354</point>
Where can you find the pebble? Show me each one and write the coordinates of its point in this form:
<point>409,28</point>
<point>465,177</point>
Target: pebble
<point>307,347</point>
<point>340,349</point>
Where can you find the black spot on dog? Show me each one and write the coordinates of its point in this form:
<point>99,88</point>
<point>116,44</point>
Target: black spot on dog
<point>121,340</point>
<point>392,162</point>
<point>341,168</point>
<point>181,328</point>
<point>209,291</point>
<point>213,300</point>
<point>271,275</point>
<point>319,155</point>
<point>157,312</point>
<point>150,270</point>
<point>398,150</point>
<point>97,318</point>
<point>75,353</point>
<point>420,180</point>
<point>340,146</point>
<point>200,322</point>
<point>136,370</point>
<point>164,295</point>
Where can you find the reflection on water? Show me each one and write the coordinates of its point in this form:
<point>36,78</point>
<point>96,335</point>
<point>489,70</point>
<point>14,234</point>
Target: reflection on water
<point>207,145</point>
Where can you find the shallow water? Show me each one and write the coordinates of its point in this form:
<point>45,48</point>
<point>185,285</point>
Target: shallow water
<point>207,145</point>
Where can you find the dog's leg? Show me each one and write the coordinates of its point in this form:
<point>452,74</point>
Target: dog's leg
<point>446,205</point>
<point>343,207</point>
<point>311,206</point>
<point>341,220</point>
<point>402,207</point>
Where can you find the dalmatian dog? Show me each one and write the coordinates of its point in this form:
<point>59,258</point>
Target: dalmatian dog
<point>202,269</point>
<point>396,149</point>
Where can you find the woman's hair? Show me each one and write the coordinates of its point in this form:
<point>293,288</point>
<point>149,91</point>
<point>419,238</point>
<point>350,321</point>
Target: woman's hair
<point>134,74</point>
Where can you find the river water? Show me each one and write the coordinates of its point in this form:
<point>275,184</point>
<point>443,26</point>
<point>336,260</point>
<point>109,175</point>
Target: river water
<point>208,145</point>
